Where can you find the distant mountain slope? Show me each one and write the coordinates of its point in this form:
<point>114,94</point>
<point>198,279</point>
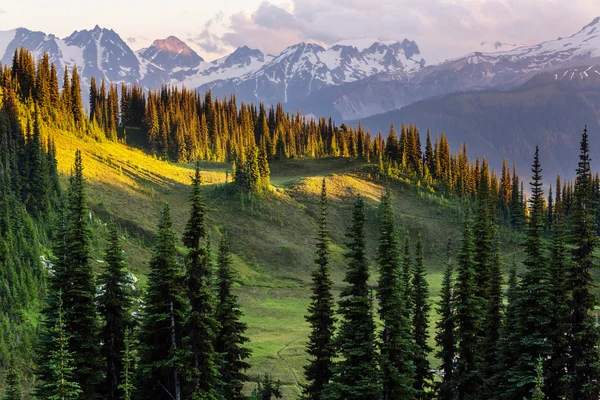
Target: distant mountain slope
<point>475,71</point>
<point>550,110</point>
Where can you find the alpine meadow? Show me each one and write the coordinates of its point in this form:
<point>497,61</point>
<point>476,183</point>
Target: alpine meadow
<point>173,228</point>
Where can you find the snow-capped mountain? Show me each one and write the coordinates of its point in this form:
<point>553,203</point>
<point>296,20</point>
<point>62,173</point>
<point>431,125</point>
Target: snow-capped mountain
<point>297,72</point>
<point>306,68</point>
<point>351,79</point>
<point>475,71</point>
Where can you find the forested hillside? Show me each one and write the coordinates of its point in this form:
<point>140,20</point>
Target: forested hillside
<point>171,245</point>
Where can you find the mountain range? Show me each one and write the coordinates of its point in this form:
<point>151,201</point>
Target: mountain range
<point>482,97</point>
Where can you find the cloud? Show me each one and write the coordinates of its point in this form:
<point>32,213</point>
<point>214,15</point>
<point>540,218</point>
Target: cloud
<point>206,39</point>
<point>131,40</point>
<point>441,28</point>
<point>2,11</point>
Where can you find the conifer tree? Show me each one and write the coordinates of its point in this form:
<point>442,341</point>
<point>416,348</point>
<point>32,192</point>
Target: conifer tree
<point>533,302</point>
<point>76,103</point>
<point>356,376</point>
<point>585,359</point>
<point>445,337</point>
<point>508,343</point>
<point>115,305</point>
<point>231,339</point>
<point>407,276</point>
<point>420,323</point>
<point>266,389</point>
<point>320,316</point>
<point>557,363</point>
<point>492,322</point>
<point>468,311</point>
<point>61,385</point>
<point>74,278</point>
<point>202,326</point>
<point>396,347</point>
<point>12,385</point>
<point>163,318</point>
<point>126,383</point>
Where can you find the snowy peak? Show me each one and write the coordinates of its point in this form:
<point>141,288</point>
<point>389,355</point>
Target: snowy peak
<point>170,54</point>
<point>590,29</point>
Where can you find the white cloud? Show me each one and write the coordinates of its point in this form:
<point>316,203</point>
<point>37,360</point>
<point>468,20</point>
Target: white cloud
<point>441,28</point>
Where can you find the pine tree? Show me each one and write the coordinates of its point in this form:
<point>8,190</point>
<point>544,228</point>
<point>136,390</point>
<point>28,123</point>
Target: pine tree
<point>356,376</point>
<point>407,276</point>
<point>585,359</point>
<point>445,337</point>
<point>420,323</point>
<point>492,322</point>
<point>266,389</point>
<point>163,318</point>
<point>76,103</point>
<point>202,326</point>
<point>468,311</point>
<point>231,339</point>
<point>126,383</point>
<point>396,347</point>
<point>537,393</point>
<point>320,312</point>
<point>533,302</point>
<point>12,389</point>
<point>61,384</point>
<point>73,277</point>
<point>508,343</point>
<point>557,363</point>
<point>115,305</point>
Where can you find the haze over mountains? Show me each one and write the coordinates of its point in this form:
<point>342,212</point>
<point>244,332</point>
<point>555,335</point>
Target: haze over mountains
<point>360,78</point>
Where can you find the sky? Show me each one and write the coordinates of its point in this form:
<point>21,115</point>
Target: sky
<point>441,28</point>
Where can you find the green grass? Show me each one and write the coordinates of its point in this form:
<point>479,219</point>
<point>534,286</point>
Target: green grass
<point>272,236</point>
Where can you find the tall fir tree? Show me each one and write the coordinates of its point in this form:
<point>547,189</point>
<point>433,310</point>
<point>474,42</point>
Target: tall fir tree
<point>12,387</point>
<point>584,365</point>
<point>202,326</point>
<point>557,364</point>
<point>445,337</point>
<point>74,278</point>
<point>60,385</point>
<point>533,300</point>
<point>509,339</point>
<point>356,376</point>
<point>115,306</point>
<point>468,311</point>
<point>396,347</point>
<point>321,317</point>
<point>126,383</point>
<point>420,323</point>
<point>231,340</point>
<point>165,308</point>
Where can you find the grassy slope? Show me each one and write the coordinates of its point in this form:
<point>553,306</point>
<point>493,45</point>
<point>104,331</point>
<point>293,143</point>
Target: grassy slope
<point>272,237</point>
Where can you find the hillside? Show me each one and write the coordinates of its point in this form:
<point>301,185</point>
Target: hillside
<point>550,110</point>
<point>266,233</point>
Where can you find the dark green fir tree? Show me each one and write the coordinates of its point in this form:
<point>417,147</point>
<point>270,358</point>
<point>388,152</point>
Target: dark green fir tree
<point>12,387</point>
<point>231,340</point>
<point>164,312</point>
<point>420,323</point>
<point>584,365</point>
<point>396,347</point>
<point>321,318</point>
<point>445,337</point>
<point>533,304</point>
<point>115,306</point>
<point>468,313</point>
<point>356,375</point>
<point>202,326</point>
